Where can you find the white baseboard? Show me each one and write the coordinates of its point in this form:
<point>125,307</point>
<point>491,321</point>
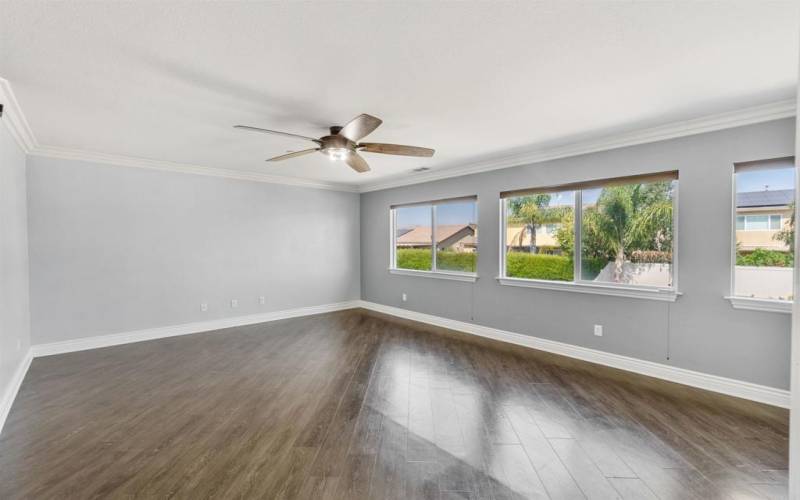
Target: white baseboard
<point>11,390</point>
<point>183,329</point>
<point>731,387</point>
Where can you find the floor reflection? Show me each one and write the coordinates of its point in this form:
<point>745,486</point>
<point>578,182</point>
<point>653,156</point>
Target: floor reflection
<point>352,405</point>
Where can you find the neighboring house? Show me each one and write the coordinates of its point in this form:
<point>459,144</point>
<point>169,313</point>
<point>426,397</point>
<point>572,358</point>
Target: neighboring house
<point>455,237</point>
<point>759,217</point>
<point>545,238</point>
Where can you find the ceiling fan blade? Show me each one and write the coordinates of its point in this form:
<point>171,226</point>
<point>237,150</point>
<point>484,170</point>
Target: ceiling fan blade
<point>395,149</point>
<point>360,127</point>
<point>275,132</point>
<point>357,163</point>
<point>294,154</point>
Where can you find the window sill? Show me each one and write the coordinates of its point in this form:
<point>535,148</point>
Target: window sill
<point>767,305</point>
<point>442,275</point>
<point>615,291</point>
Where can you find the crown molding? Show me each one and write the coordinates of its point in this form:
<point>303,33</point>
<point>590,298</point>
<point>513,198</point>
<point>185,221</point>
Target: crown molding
<point>21,131</point>
<point>710,123</point>
<point>168,166</point>
<point>14,119</point>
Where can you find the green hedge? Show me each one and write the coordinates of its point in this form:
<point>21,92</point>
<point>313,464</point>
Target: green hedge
<point>762,257</point>
<point>420,260</point>
<point>456,261</point>
<point>549,267</point>
<point>414,258</point>
<point>518,264</point>
<point>539,266</point>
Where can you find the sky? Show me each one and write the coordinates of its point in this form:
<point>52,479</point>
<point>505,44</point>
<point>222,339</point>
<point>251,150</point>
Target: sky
<point>447,213</point>
<point>466,213</point>
<point>755,180</point>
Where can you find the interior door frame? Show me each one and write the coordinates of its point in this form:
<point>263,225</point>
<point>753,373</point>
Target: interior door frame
<point>794,380</point>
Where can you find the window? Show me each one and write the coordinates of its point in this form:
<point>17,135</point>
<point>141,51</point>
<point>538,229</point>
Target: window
<point>759,222</point>
<point>763,242</point>
<point>616,232</point>
<point>413,238</point>
<point>537,228</point>
<point>452,224</point>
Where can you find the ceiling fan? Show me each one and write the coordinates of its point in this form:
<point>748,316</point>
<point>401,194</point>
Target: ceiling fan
<point>342,143</point>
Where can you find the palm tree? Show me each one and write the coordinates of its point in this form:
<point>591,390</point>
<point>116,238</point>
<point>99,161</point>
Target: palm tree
<point>531,212</point>
<point>635,216</point>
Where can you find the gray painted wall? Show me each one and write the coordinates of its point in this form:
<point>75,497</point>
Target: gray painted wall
<point>699,332</point>
<point>14,311</point>
<point>115,249</point>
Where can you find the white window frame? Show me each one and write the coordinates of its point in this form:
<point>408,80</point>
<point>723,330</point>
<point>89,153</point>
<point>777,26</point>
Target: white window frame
<point>434,272</point>
<point>668,294</point>
<point>752,303</point>
<point>769,221</point>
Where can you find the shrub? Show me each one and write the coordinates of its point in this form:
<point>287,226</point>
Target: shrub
<point>420,259</point>
<point>538,266</point>
<point>592,266</point>
<point>651,257</point>
<point>761,257</point>
<point>456,261</point>
<point>518,264</point>
<point>414,258</point>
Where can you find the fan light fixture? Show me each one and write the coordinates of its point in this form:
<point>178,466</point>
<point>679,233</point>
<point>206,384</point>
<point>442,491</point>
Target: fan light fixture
<point>337,154</point>
<point>342,143</point>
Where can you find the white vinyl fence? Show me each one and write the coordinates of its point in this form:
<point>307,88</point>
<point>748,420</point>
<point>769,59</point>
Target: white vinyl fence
<point>759,282</point>
<point>638,274</point>
<point>763,282</point>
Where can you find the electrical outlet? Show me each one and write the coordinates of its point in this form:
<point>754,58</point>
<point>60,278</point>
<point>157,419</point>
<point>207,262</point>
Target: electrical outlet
<point>204,306</point>
<point>234,303</point>
<point>598,330</point>
<point>405,297</point>
<point>262,300</point>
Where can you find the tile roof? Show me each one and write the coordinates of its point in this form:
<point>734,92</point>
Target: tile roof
<point>421,235</point>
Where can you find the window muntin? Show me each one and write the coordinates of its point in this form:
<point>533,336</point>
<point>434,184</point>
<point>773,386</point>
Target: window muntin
<point>763,242</point>
<point>624,229</point>
<point>451,223</point>
<point>539,234</point>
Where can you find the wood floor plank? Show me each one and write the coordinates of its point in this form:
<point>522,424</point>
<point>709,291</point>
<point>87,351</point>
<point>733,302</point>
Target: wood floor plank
<point>632,488</point>
<point>356,405</point>
<point>591,481</point>
<point>549,468</point>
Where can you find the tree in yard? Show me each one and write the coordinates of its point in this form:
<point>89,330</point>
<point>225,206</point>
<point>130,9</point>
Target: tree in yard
<point>634,217</point>
<point>531,212</point>
<point>786,234</point>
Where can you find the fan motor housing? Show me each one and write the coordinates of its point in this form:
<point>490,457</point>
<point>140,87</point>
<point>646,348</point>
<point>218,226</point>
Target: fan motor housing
<point>337,142</point>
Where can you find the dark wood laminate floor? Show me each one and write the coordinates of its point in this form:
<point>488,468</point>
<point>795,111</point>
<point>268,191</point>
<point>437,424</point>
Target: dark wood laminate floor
<point>354,405</point>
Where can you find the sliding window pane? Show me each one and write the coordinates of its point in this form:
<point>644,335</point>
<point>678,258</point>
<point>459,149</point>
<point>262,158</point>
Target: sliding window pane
<point>757,223</point>
<point>540,236</point>
<point>627,234</point>
<point>457,236</point>
<point>765,244</point>
<point>413,238</point>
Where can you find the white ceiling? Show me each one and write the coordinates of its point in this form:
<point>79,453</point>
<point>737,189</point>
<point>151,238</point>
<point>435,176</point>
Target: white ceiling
<point>166,81</point>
